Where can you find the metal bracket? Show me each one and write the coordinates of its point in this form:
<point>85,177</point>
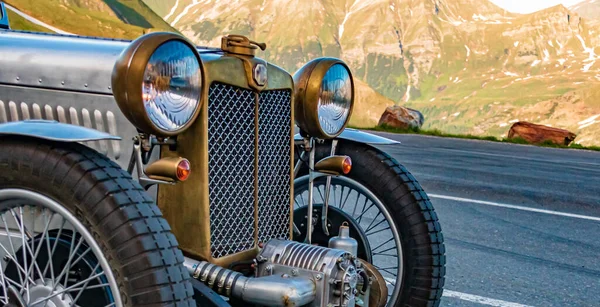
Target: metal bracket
<point>311,184</point>
<point>137,162</point>
<point>327,190</point>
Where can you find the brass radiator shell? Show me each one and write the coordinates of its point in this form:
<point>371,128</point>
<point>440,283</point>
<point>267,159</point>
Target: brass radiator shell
<point>186,205</point>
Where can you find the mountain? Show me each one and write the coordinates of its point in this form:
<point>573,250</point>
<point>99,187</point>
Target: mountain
<point>106,18</point>
<point>587,8</point>
<point>468,65</point>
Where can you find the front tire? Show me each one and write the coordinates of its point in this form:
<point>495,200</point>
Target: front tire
<point>78,230</point>
<point>422,267</point>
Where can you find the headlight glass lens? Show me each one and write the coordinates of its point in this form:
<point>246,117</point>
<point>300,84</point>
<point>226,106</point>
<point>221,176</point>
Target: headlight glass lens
<point>172,86</point>
<point>335,99</point>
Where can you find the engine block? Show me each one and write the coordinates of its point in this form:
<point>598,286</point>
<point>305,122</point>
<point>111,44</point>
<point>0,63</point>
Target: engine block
<point>336,273</point>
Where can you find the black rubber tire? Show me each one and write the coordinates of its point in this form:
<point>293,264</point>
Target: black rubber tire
<point>124,220</point>
<point>420,232</point>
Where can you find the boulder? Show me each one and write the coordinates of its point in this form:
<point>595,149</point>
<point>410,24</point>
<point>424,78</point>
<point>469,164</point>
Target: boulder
<point>402,118</point>
<point>537,134</point>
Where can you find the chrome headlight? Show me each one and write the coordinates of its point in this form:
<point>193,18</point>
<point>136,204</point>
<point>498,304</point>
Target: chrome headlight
<point>324,97</point>
<point>157,83</point>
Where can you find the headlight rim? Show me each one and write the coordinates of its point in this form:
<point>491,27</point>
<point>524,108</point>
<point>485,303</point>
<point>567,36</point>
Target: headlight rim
<point>307,81</point>
<point>128,76</point>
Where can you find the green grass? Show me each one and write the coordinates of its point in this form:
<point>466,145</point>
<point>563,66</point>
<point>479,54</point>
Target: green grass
<point>19,23</point>
<point>120,18</point>
<point>438,133</point>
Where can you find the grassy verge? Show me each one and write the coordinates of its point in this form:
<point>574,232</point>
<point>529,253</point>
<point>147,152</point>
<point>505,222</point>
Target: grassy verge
<point>439,133</point>
<point>17,22</point>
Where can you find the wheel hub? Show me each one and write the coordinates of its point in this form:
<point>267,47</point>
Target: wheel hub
<point>44,289</point>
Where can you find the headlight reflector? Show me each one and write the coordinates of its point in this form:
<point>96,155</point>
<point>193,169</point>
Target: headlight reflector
<point>324,97</point>
<point>171,88</point>
<point>335,99</point>
<point>157,83</point>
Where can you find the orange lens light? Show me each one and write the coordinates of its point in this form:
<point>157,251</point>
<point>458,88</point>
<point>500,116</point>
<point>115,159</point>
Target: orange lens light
<point>183,170</point>
<point>347,165</point>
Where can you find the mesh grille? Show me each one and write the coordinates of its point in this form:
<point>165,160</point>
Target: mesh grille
<point>274,164</point>
<point>231,168</point>
<point>231,137</point>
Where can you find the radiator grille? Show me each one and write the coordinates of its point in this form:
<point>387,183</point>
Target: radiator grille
<point>231,162</point>
<point>231,145</point>
<point>274,128</point>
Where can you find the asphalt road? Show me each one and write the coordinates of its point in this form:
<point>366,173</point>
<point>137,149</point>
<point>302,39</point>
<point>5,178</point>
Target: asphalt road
<point>498,255</point>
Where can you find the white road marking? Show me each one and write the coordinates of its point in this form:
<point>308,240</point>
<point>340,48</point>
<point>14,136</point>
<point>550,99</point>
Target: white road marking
<point>37,21</point>
<point>481,299</point>
<point>472,298</point>
<point>494,204</point>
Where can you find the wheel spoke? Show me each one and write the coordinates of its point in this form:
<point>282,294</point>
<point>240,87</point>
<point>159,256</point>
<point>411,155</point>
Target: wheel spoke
<point>67,267</point>
<point>387,270</point>
<point>84,286</point>
<point>30,248</point>
<point>45,299</point>
<point>373,221</point>
<point>382,244</point>
<point>44,234</point>
<point>320,194</point>
<point>3,283</point>
<point>343,204</point>
<point>359,218</point>
<point>51,252</point>
<point>378,231</point>
<point>386,250</point>
<point>355,205</point>
<point>9,255</point>
<point>23,248</point>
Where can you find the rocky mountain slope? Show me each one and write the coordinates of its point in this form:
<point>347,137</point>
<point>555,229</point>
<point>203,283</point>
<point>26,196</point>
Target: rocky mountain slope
<point>106,18</point>
<point>470,66</point>
<point>587,8</point>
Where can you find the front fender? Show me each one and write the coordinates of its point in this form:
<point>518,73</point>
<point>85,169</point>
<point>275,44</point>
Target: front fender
<point>359,137</point>
<point>54,131</point>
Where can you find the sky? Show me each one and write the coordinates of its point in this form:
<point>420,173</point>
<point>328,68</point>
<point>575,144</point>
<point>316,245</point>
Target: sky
<point>529,6</point>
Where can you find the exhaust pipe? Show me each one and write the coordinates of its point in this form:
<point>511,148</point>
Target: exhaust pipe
<point>265,291</point>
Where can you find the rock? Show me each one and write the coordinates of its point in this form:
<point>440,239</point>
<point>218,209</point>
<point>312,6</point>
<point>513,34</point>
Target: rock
<point>401,117</point>
<point>537,134</point>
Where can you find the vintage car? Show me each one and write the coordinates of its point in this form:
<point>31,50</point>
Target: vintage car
<point>157,173</point>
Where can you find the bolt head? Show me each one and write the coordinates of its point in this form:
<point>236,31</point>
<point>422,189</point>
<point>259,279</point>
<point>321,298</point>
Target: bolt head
<point>294,272</point>
<point>318,277</point>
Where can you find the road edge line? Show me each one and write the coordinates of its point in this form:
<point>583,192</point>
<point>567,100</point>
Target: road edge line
<point>509,206</point>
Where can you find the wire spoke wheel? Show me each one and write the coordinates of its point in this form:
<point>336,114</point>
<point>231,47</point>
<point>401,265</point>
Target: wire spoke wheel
<point>48,258</point>
<point>77,230</point>
<point>369,213</point>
